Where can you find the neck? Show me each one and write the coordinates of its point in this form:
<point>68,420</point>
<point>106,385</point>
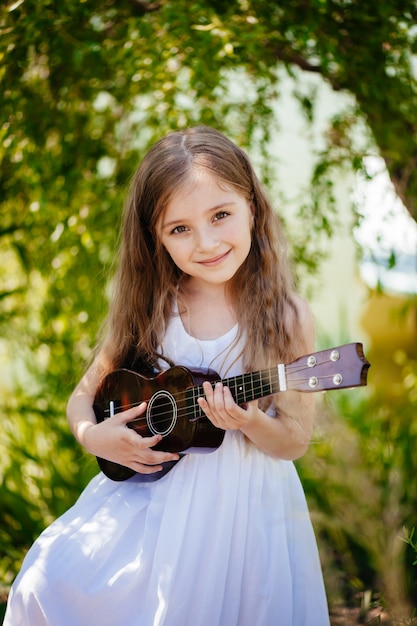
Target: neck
<point>206,313</point>
<point>194,290</point>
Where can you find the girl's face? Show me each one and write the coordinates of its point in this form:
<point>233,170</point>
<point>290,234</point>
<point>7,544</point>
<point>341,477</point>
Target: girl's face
<point>207,230</point>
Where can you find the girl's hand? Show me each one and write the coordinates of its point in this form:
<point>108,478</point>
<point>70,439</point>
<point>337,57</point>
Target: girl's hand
<point>283,437</point>
<point>114,441</point>
<point>222,410</point>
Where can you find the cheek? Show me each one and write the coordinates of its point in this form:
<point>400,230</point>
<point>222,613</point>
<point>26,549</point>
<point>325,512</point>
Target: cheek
<point>176,251</point>
<point>246,228</point>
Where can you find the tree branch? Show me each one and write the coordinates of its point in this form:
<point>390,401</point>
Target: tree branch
<point>141,7</point>
<point>293,58</point>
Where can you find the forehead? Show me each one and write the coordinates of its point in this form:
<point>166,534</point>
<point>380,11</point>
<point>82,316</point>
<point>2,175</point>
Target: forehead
<point>201,190</point>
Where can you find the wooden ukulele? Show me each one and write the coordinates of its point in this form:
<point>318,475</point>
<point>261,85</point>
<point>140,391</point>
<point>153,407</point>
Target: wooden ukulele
<point>173,412</point>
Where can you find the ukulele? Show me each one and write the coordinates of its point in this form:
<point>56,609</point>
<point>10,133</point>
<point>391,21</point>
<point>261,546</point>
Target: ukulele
<point>173,411</point>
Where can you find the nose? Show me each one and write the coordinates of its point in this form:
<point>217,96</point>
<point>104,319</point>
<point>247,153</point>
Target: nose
<point>206,239</point>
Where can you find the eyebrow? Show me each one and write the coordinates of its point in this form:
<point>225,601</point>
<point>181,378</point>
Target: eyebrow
<point>222,205</point>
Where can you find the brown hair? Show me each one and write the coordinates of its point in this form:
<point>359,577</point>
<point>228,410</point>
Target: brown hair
<point>146,280</point>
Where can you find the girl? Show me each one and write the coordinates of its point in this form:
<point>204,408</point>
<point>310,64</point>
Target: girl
<point>222,539</point>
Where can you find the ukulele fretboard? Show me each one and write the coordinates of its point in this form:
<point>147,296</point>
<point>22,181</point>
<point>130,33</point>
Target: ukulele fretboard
<point>244,388</point>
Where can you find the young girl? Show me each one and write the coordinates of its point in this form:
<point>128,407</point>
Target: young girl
<point>224,538</point>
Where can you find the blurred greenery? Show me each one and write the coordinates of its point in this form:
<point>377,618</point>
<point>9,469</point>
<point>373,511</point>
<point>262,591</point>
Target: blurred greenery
<point>85,89</point>
<point>359,477</point>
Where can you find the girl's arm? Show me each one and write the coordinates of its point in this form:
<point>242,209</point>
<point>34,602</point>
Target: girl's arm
<point>286,437</point>
<point>111,439</point>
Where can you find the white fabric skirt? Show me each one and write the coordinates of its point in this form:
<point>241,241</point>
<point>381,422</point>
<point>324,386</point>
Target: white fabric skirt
<point>223,539</point>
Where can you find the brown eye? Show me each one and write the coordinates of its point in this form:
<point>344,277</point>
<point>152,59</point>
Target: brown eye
<point>220,215</point>
<point>178,229</point>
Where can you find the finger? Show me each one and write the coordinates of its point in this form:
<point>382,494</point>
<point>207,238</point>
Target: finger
<point>207,401</point>
<point>139,441</point>
<point>208,404</point>
<point>205,407</point>
<point>218,396</point>
<point>144,452</point>
<point>221,401</point>
<point>213,395</point>
<point>145,469</point>
<point>150,457</point>
<point>228,400</point>
<point>142,468</point>
<point>126,416</point>
<point>208,390</point>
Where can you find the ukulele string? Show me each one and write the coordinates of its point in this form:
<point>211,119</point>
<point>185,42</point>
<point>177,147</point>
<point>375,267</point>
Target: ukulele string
<point>254,388</point>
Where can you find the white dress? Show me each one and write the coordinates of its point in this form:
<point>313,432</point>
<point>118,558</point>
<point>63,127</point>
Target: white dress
<point>223,539</point>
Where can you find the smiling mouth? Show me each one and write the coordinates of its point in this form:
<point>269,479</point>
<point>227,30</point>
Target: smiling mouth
<point>215,260</point>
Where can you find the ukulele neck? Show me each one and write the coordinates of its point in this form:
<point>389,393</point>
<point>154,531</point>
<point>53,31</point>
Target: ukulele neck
<point>245,387</point>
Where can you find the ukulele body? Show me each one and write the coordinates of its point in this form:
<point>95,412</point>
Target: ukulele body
<point>170,412</point>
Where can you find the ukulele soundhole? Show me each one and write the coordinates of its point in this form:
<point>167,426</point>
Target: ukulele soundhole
<point>161,413</point>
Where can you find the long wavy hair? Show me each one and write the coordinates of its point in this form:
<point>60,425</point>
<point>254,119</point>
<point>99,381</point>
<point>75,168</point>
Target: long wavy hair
<point>146,280</point>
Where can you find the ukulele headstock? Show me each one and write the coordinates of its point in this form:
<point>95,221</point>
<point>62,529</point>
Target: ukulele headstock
<point>336,368</point>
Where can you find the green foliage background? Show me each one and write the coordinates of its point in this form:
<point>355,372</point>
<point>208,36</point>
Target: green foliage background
<point>85,89</point>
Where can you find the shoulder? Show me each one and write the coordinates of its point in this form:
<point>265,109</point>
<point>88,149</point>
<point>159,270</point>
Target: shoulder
<point>299,321</point>
<point>302,309</point>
